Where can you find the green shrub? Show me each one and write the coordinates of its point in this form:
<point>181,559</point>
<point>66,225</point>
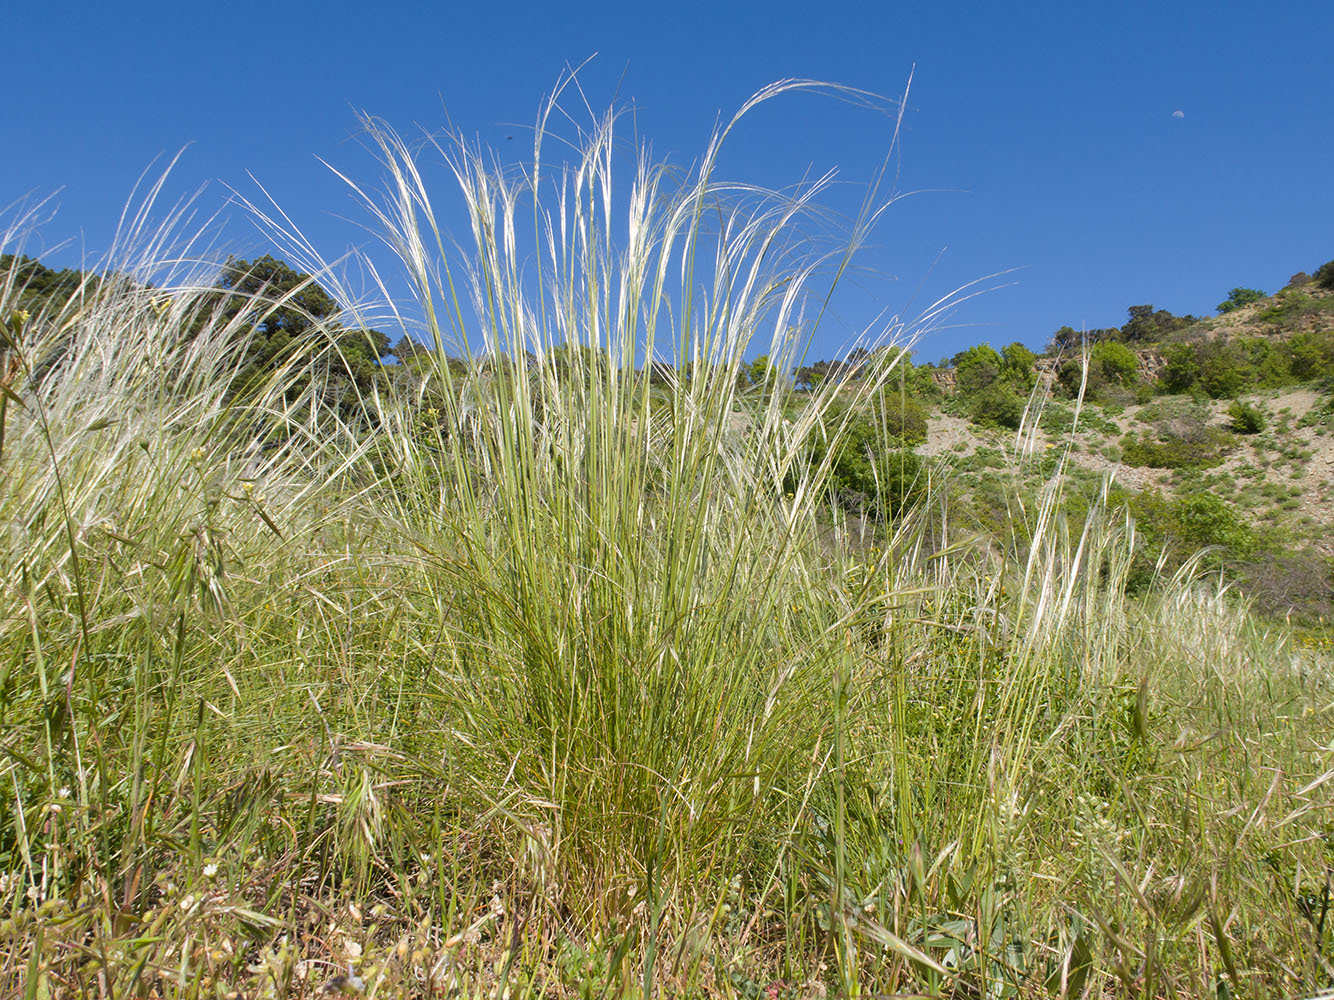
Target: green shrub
<point>870,473</point>
<point>1180,368</point>
<point>1017,365</point>
<point>1057,420</point>
<point>1310,355</point>
<point>1147,325</point>
<point>1243,418</point>
<point>1092,420</point>
<point>1176,450</point>
<point>904,417</point>
<point>1324,275</point>
<point>903,482</point>
<point>1111,364</point>
<point>913,380</point>
<point>997,406</point>
<point>977,368</point>
<point>1117,362</point>
<point>1173,529</point>
<point>1239,297</point>
<point>1070,376</point>
<point>1269,364</point>
<point>1204,519</point>
<point>1143,392</point>
<point>1224,370</point>
<point>1287,307</point>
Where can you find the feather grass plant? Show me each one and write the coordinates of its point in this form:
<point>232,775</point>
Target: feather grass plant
<point>621,554</point>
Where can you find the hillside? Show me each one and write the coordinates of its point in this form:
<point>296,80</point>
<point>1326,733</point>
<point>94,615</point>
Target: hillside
<point>1212,432</point>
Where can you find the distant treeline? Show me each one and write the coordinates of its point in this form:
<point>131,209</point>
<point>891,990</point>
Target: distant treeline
<point>272,306</point>
<point>268,307</point>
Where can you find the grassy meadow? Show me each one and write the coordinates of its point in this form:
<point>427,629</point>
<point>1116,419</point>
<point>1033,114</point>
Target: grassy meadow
<point>548,672</point>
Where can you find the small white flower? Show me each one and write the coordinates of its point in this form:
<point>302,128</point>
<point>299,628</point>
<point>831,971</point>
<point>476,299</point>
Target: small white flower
<point>64,792</point>
<point>210,870</point>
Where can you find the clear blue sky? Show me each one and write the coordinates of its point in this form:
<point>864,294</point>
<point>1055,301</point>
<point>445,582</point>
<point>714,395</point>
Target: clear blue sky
<point>1042,136</point>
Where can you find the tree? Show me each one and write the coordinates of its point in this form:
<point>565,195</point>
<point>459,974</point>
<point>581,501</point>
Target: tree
<point>1324,275</point>
<point>811,376</point>
<point>275,307</point>
<point>759,374</point>
<point>976,368</point>
<point>905,418</point>
<point>1224,370</point>
<point>871,475</point>
<point>1116,362</point>
<point>407,349</point>
<point>1310,355</point>
<point>1064,339</point>
<point>1147,324</point>
<point>274,298</point>
<point>1018,365</point>
<point>40,287</point>
<point>1067,338</point>
<point>997,405</point>
<point>913,380</point>
<point>1239,297</point>
<point>1181,367</point>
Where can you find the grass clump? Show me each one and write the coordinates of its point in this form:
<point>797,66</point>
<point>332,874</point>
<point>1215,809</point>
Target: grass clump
<point>574,675</point>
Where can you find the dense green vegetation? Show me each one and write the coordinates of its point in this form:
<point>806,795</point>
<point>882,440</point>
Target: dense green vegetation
<point>1239,297</point>
<point>1144,393</point>
<point>272,308</point>
<point>522,669</point>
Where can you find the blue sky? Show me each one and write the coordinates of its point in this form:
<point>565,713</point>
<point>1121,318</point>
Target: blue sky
<point>1040,137</point>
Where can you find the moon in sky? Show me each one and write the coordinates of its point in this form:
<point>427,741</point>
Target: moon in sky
<point>1178,114</point>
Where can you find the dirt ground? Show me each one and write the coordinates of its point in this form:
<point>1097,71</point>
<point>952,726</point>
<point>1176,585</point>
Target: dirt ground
<point>1312,477</point>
